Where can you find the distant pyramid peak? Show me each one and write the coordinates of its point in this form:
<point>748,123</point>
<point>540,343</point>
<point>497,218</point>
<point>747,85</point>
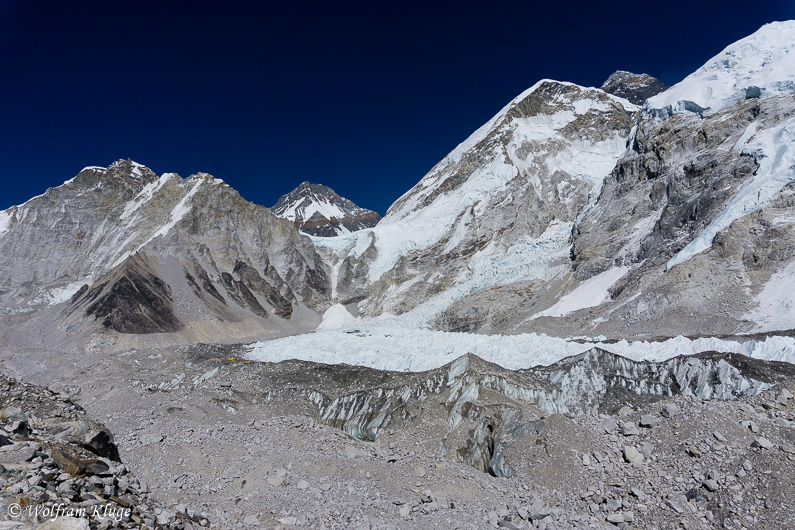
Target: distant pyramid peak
<point>318,210</point>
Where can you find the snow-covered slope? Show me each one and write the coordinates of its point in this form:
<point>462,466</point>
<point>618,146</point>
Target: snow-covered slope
<point>319,211</point>
<point>514,231</point>
<point>760,65</point>
<point>493,210</point>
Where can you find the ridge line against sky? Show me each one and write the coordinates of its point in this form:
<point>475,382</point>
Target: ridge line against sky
<point>359,97</point>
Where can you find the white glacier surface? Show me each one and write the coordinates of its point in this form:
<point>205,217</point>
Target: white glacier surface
<point>335,317</point>
<point>394,344</point>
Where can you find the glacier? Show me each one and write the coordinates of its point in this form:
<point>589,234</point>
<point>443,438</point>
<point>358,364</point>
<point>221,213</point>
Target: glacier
<point>395,344</point>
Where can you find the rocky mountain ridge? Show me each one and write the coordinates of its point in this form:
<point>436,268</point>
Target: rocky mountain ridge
<point>143,254</point>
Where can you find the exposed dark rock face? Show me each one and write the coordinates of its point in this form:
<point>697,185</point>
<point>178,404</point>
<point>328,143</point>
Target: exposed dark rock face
<point>676,171</point>
<point>681,174</point>
<point>251,277</point>
<point>240,292</point>
<point>319,211</point>
<point>637,88</point>
<point>132,300</point>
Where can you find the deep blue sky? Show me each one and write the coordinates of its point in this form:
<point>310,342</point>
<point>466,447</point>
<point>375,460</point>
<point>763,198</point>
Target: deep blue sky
<point>362,97</point>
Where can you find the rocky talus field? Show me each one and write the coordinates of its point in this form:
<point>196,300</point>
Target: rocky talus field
<point>207,439</point>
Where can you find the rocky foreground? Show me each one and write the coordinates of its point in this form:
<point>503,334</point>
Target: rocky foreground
<point>227,443</point>
<point>60,469</point>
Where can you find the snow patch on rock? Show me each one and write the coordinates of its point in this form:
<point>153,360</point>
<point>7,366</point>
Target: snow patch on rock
<point>592,292</point>
<point>776,309</point>
<point>59,294</point>
<point>5,222</point>
<point>145,195</point>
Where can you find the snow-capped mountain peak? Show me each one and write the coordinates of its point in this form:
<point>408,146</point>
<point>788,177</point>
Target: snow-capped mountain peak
<point>760,65</point>
<point>320,211</point>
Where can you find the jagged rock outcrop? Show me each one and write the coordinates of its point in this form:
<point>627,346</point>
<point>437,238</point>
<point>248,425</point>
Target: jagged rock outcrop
<point>636,88</point>
<point>319,211</point>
